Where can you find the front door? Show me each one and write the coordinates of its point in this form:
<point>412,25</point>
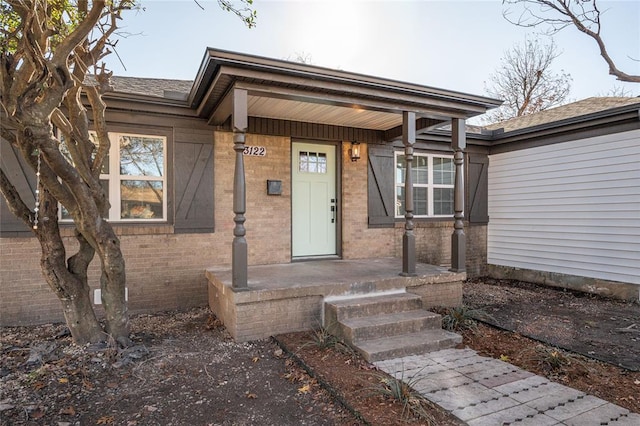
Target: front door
<point>314,206</point>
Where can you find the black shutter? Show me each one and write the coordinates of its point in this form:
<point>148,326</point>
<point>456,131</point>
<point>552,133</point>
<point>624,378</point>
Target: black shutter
<point>23,178</point>
<point>478,184</point>
<point>194,191</point>
<point>381,187</point>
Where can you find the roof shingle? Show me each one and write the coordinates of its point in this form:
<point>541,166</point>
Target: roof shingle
<point>575,109</point>
<point>159,87</point>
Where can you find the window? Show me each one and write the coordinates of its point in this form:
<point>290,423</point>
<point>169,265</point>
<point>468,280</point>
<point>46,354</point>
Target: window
<point>433,180</point>
<point>313,162</point>
<point>134,178</point>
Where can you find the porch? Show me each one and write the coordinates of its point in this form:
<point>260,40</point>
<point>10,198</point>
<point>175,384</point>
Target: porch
<point>290,297</point>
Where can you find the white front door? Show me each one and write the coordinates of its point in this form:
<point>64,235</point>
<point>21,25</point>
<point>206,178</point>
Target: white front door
<point>314,207</point>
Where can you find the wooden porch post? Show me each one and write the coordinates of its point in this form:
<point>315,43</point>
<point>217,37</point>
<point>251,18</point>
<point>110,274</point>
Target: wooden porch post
<point>239,262</point>
<point>458,239</point>
<point>409,238</point>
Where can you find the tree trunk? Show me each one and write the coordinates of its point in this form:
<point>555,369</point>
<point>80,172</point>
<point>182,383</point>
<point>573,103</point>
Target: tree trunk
<point>69,284</point>
<point>81,319</point>
<point>113,283</point>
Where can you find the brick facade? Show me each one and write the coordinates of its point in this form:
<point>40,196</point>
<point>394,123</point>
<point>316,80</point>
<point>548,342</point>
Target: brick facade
<point>433,238</point>
<point>166,271</point>
<point>163,272</point>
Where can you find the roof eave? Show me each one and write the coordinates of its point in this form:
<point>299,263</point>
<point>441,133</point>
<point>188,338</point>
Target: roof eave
<point>214,60</point>
<point>613,115</point>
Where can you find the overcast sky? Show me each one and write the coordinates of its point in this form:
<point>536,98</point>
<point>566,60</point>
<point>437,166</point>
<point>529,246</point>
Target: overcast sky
<point>450,44</point>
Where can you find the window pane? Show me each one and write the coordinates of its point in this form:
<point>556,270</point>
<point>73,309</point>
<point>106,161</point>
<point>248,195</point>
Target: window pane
<point>141,156</point>
<point>420,169</point>
<point>420,201</point>
<point>313,162</point>
<point>141,199</point>
<point>303,161</point>
<point>400,166</point>
<point>443,201</point>
<point>322,163</point>
<point>443,171</point>
<point>399,200</point>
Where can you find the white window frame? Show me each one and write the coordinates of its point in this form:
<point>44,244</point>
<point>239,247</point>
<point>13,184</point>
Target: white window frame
<point>429,185</point>
<point>115,178</point>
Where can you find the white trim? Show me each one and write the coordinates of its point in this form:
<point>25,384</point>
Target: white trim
<point>430,186</point>
<point>115,178</point>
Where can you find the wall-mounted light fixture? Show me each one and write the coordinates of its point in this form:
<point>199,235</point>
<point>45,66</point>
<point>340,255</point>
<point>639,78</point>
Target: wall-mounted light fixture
<point>354,151</point>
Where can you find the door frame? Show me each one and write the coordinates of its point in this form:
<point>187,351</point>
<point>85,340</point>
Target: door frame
<point>338,146</point>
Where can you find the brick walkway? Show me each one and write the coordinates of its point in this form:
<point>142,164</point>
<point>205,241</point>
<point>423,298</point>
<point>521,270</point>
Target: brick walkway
<point>488,392</point>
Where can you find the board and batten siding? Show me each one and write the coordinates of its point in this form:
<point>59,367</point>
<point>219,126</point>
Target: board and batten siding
<point>570,208</point>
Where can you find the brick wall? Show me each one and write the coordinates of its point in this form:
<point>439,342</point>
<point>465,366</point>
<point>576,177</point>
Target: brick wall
<point>433,238</point>
<point>268,216</point>
<point>476,250</point>
<point>165,270</point>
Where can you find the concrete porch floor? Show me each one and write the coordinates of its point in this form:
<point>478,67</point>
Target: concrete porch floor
<point>290,297</point>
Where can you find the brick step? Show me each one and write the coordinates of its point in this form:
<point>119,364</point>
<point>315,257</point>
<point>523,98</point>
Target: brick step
<point>355,330</point>
<point>407,344</point>
<point>338,310</point>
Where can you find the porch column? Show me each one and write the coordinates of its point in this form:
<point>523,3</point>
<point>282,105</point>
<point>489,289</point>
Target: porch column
<point>458,239</point>
<point>409,238</point>
<point>239,251</point>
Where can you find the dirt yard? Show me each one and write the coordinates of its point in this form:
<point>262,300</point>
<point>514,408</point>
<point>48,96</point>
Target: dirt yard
<point>185,369</point>
<point>605,329</point>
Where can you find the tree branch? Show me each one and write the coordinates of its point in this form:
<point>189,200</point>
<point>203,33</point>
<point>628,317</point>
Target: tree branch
<point>559,14</point>
<point>15,203</point>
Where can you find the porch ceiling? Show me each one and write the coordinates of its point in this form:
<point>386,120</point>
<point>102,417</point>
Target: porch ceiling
<point>320,113</point>
<point>304,93</point>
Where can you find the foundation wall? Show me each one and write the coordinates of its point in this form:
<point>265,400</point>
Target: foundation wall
<point>600,287</point>
<point>276,308</point>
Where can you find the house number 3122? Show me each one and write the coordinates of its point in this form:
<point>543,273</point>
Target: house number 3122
<point>256,151</point>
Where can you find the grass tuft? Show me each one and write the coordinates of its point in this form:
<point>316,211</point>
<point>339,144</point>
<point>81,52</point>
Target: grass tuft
<point>463,317</point>
<point>402,391</point>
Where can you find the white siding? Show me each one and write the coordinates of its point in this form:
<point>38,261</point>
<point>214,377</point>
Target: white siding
<point>571,208</point>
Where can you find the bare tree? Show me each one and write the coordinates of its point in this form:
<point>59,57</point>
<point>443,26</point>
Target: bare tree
<point>584,15</point>
<point>47,50</point>
<point>618,92</point>
<point>526,81</point>
<point>302,57</point>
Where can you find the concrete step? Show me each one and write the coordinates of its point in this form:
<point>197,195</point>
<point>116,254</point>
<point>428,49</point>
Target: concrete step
<point>338,310</point>
<point>407,344</point>
<point>355,330</point>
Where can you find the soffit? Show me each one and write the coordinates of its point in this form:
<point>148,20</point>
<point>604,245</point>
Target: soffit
<point>264,107</point>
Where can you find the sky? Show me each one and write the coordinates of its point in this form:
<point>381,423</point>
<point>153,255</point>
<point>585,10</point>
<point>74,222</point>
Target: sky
<point>453,44</point>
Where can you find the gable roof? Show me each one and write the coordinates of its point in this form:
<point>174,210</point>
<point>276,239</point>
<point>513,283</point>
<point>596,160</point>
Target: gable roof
<point>575,109</point>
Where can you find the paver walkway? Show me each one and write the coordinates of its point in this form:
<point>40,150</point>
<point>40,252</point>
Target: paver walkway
<point>488,392</point>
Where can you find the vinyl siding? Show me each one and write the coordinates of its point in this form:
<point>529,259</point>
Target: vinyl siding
<point>570,208</point>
